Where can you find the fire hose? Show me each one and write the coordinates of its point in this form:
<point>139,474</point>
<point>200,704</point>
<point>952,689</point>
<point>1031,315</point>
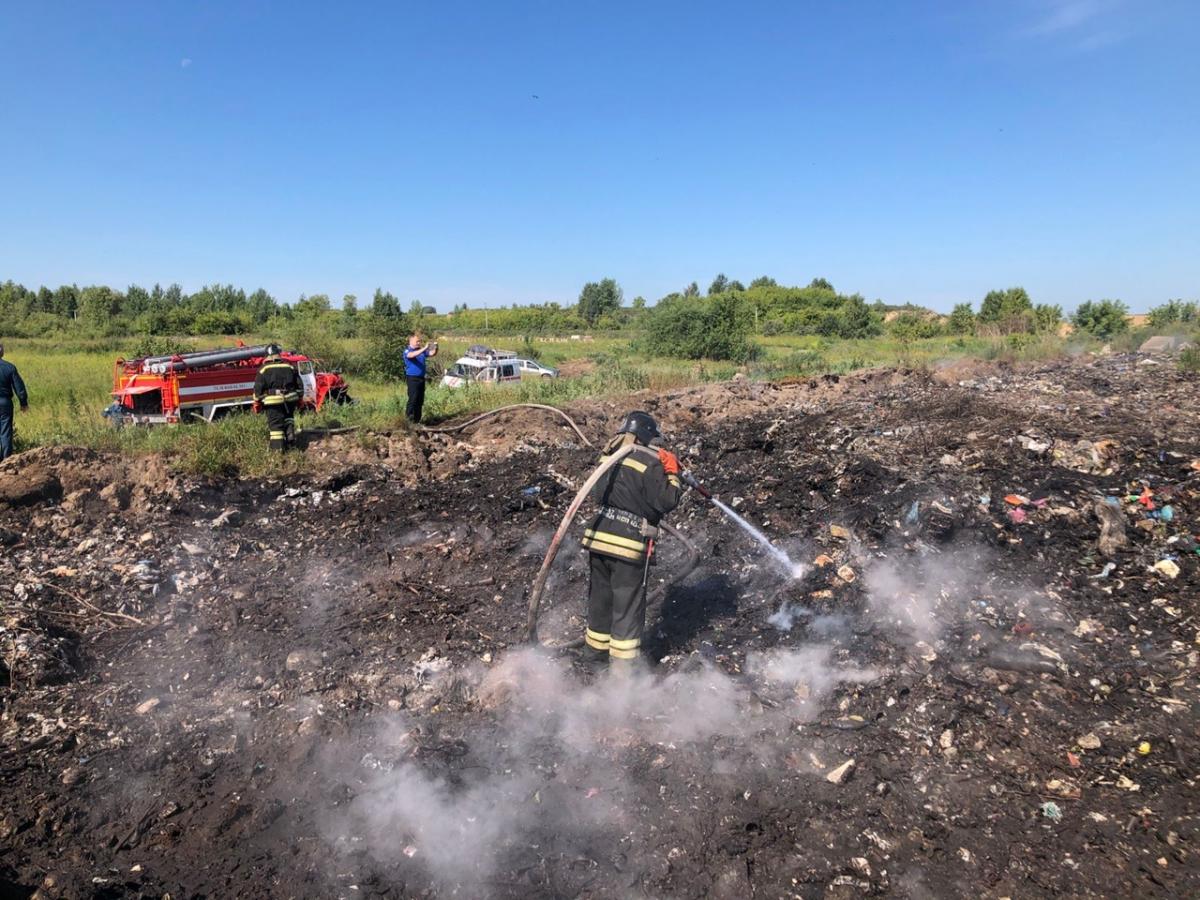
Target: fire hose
<point>446,429</point>
<point>539,584</point>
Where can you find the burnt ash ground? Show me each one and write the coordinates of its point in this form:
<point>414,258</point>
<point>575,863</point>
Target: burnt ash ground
<point>339,637</point>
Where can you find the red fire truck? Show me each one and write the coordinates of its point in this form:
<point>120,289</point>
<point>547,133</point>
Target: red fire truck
<point>207,384</point>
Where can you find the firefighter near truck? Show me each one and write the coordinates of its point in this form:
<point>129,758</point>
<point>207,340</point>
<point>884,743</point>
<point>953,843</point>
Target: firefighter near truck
<point>208,384</point>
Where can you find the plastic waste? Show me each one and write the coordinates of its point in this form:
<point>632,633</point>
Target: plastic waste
<point>1105,572</point>
<point>1017,515</point>
<point>913,514</point>
<point>1144,748</point>
<point>1051,811</point>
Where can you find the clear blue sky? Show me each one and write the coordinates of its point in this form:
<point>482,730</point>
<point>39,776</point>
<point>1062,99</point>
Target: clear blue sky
<point>508,152</point>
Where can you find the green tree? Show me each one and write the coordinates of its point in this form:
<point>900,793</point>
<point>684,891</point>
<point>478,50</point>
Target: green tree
<point>716,327</point>
<point>315,306</point>
<point>1047,317</point>
<point>385,304</point>
<point>639,303</point>
<point>719,285</point>
<point>66,301</point>
<point>1009,311</point>
<point>821,284</point>
<point>736,285</point>
<point>137,301</point>
<point>218,298</point>
<point>98,305</point>
<point>762,281</point>
<point>261,306</point>
<point>386,341</point>
<point>857,320</point>
<point>598,299</point>
<point>1102,318</point>
<point>1174,312</point>
<point>692,290</point>
<point>961,320</point>
<point>347,321</point>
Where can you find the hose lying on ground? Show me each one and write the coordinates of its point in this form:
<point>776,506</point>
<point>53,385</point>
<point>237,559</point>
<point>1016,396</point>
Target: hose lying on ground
<point>446,429</point>
<point>539,584</point>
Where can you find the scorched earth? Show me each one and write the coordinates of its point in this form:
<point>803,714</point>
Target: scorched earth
<point>984,683</point>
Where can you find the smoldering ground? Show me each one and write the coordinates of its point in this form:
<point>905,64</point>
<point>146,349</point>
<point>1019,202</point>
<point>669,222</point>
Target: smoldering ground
<point>551,759</point>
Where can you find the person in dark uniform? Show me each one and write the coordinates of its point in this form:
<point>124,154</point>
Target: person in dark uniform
<point>11,386</point>
<point>633,497</point>
<point>415,358</point>
<point>278,389</point>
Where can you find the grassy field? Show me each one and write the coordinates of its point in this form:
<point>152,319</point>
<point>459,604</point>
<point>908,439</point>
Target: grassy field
<point>69,387</point>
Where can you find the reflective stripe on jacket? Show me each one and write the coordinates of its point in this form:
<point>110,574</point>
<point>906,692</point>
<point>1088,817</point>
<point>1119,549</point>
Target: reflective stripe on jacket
<point>277,382</point>
<point>640,488</point>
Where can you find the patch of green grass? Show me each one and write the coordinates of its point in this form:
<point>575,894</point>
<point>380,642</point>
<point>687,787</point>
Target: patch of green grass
<point>70,386</point>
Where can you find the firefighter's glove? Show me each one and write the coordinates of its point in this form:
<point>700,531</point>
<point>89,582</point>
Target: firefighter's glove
<point>670,462</point>
<point>256,406</point>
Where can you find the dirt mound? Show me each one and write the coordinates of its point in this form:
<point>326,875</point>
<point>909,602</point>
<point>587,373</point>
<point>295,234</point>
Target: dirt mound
<point>318,687</point>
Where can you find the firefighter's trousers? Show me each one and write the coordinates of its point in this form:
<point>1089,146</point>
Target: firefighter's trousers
<point>281,421</point>
<point>616,607</point>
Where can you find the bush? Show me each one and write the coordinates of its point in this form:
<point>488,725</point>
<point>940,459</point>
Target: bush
<point>1174,312</point>
<point>386,341</point>
<point>1007,312</point>
<point>1102,318</point>
<point>314,336</point>
<point>911,326</point>
<point>1189,360</point>
<point>961,320</point>
<point>716,327</point>
<point>219,322</point>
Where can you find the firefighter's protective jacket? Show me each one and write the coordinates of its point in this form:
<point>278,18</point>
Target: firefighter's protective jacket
<point>277,382</point>
<point>634,494</point>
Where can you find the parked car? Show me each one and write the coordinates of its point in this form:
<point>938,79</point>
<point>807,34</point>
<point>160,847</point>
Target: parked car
<point>483,365</point>
<point>535,368</point>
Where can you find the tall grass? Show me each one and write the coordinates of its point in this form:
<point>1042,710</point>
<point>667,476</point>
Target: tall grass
<point>70,385</point>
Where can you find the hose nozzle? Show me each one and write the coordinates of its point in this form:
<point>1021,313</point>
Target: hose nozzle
<point>690,480</point>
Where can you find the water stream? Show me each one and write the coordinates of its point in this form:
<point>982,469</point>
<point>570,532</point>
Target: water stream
<point>792,569</point>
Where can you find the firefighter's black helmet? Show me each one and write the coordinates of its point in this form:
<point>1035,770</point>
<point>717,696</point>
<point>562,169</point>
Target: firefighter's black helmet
<point>642,426</point>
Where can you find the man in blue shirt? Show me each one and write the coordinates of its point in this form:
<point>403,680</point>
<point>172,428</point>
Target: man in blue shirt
<point>10,385</point>
<point>414,371</point>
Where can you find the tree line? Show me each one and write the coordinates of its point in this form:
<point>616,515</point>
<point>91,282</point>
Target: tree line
<point>719,323</point>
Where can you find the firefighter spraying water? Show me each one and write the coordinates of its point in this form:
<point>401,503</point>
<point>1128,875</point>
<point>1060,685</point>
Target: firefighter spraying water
<point>635,485</point>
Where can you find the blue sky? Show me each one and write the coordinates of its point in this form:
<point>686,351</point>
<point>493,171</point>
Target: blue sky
<point>509,152</point>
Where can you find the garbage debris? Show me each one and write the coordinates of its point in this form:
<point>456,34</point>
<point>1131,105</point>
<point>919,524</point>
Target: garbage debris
<point>1112,527</point>
<point>1051,811</point>
<point>1167,567</point>
<point>990,672</point>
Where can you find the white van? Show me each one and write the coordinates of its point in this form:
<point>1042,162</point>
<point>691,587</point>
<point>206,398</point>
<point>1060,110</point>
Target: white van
<point>483,365</point>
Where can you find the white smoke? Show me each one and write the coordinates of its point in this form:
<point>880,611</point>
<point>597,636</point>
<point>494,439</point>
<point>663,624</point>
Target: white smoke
<point>918,595</point>
<point>547,747</point>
